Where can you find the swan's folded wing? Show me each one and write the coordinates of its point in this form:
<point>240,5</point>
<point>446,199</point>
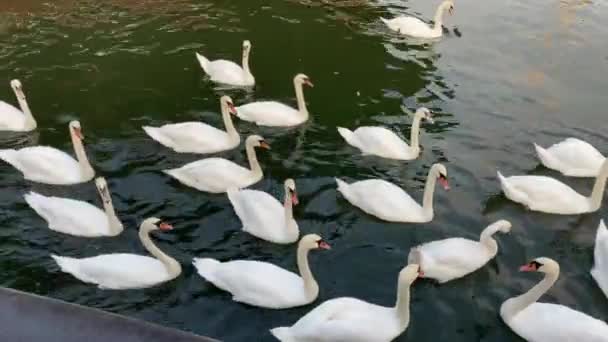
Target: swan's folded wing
<point>194,132</point>
<point>545,189</point>
<point>577,153</point>
<point>600,265</point>
<point>70,216</point>
<point>11,118</point>
<point>43,161</point>
<point>123,270</point>
<point>257,209</point>
<point>379,139</point>
<point>225,71</point>
<point>457,254</point>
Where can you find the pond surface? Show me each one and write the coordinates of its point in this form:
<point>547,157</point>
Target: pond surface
<point>506,74</point>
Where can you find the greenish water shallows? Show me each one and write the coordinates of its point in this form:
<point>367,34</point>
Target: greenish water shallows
<point>508,73</point>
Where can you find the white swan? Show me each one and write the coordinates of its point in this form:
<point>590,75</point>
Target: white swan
<point>78,218</point>
<point>49,165</point>
<point>263,216</point>
<point>546,322</point>
<point>600,266</point>
<point>217,175</point>
<point>383,142</point>
<point>545,194</point>
<point>353,320</point>
<point>13,119</point>
<point>120,271</point>
<point>417,28</point>
<point>228,72</point>
<point>572,157</point>
<point>453,258</point>
<point>271,113</point>
<point>198,137</point>
<point>389,202</point>
<point>263,284</point>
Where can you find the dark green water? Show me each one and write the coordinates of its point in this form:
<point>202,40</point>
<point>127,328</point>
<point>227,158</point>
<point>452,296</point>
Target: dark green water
<point>508,73</point>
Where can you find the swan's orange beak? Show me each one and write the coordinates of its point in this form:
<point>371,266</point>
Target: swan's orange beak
<point>294,197</point>
<point>444,183</point>
<point>528,268</point>
<point>324,245</point>
<point>165,226</point>
<point>308,83</point>
<point>265,145</point>
<point>231,108</point>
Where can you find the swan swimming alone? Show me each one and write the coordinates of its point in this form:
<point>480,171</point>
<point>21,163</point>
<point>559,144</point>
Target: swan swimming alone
<point>228,72</point>
<point>572,157</point>
<point>414,27</point>
<point>13,119</point>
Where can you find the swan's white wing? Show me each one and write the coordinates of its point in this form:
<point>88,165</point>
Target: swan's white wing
<point>47,164</point>
<point>260,284</point>
<point>600,266</point>
<point>452,258</point>
<point>545,194</point>
<point>261,214</point>
<point>224,71</point>
<point>384,200</point>
<point>195,136</point>
<point>545,322</point>
<point>410,26</point>
<point>577,154</point>
<point>213,175</point>
<point>116,271</point>
<point>269,113</point>
<point>70,216</point>
<point>381,141</point>
<point>11,118</point>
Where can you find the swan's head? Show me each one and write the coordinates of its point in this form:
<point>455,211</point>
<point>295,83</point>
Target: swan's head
<point>246,47</point>
<point>442,175</point>
<point>543,265</point>
<point>503,226</point>
<point>257,141</point>
<point>449,5</point>
<point>18,89</point>
<point>302,79</point>
<point>76,129</point>
<point>226,102</point>
<point>102,188</point>
<point>154,223</point>
<point>313,241</point>
<point>290,187</point>
<point>425,113</point>
<point>409,274</point>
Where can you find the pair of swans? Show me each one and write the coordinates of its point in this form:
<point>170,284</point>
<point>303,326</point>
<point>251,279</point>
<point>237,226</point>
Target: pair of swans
<point>384,143</point>
<point>120,271</point>
<point>389,202</point>
<point>453,258</point>
<point>13,119</point>
<point>198,137</point>
<point>546,194</point>
<point>547,322</point>
<point>264,284</point>
<point>414,27</point>
<point>354,320</point>
<point>228,72</point>
<point>217,175</point>
<point>78,218</point>
<point>51,166</point>
<point>599,272</point>
<point>263,216</point>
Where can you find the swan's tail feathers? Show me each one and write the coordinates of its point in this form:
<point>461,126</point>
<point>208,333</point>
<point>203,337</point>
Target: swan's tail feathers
<point>386,21</point>
<point>342,186</point>
<point>203,61</point>
<point>34,200</point>
<point>415,256</point>
<point>349,136</point>
<point>155,133</point>
<point>600,256</point>
<point>66,264</point>
<point>206,267</point>
<point>545,157</point>
<point>283,334</point>
<point>9,156</point>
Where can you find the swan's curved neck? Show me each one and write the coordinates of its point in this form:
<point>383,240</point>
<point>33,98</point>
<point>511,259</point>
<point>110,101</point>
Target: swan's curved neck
<point>302,110</point>
<point>245,63</point>
<point>310,284</point>
<point>254,165</point>
<point>173,267</point>
<point>81,156</point>
<point>288,205</point>
<point>232,132</point>
<point>429,191</point>
<point>30,122</point>
<point>415,134</point>
<point>598,188</point>
<point>487,240</point>
<point>439,17</point>
<point>516,304</point>
<point>114,223</point>
<point>402,306</point>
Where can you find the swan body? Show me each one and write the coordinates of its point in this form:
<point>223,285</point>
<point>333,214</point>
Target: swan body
<point>352,320</point>
<point>198,137</point>
<point>51,166</point>
<point>263,284</point>
<point>600,266</point>
<point>453,258</point>
<point>217,175</point>
<point>78,218</point>
<point>263,216</point>
<point>545,322</point>
<point>572,157</point>
<point>271,113</point>
<point>125,271</point>
<point>228,72</point>
<point>414,27</point>
<point>546,194</point>
<point>384,143</point>
<point>13,119</point>
<point>389,202</point>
